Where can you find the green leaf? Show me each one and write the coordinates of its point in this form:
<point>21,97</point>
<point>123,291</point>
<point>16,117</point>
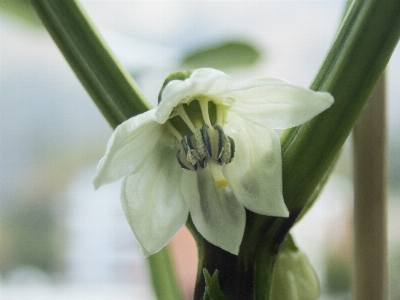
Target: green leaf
<point>112,89</point>
<point>223,56</point>
<point>212,290</point>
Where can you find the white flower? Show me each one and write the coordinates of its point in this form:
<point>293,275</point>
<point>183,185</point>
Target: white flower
<point>208,149</point>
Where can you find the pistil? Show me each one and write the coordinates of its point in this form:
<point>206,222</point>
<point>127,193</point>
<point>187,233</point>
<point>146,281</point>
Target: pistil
<point>219,179</point>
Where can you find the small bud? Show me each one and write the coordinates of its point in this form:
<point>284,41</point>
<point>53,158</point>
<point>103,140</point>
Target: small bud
<point>294,278</point>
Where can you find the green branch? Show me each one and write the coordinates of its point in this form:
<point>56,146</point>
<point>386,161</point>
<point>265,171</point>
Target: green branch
<point>355,61</point>
<point>357,58</point>
<point>112,89</point>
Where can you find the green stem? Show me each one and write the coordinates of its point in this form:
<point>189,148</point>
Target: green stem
<point>112,89</point>
<point>317,191</point>
<point>163,276</point>
<point>237,277</point>
<point>353,65</point>
<point>359,54</point>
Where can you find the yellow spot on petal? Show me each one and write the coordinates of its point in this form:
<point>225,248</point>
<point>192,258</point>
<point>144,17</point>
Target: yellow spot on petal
<point>219,179</point>
<point>221,183</point>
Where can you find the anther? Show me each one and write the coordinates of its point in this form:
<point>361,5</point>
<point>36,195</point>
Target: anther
<point>213,140</point>
<point>195,145</point>
<point>228,152</point>
<point>183,161</point>
<point>191,156</point>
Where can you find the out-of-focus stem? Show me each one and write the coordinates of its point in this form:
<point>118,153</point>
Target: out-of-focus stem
<point>370,204</point>
<point>163,276</point>
<point>112,89</point>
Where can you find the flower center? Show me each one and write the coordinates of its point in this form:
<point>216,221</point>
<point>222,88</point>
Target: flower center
<point>205,144</point>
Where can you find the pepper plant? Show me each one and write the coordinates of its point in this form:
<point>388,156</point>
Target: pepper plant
<point>251,268</point>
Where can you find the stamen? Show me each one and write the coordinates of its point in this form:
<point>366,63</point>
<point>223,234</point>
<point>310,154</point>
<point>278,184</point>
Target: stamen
<point>204,112</point>
<point>174,131</point>
<point>182,113</point>
<point>219,179</point>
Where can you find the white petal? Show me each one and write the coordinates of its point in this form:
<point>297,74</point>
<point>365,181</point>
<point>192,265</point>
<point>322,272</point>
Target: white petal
<point>215,212</point>
<point>130,145</point>
<point>152,201</point>
<point>255,173</point>
<point>202,82</point>
<point>280,105</point>
<point>256,82</point>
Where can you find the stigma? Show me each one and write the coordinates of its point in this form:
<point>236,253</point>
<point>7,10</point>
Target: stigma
<point>206,145</point>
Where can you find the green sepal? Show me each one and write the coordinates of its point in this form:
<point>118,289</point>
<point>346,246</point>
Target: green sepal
<point>212,290</point>
<point>177,75</point>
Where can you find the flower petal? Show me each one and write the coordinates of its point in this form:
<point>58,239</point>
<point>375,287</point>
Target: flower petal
<point>215,212</point>
<point>152,201</point>
<point>278,104</point>
<point>128,148</point>
<point>256,82</point>
<point>255,174</point>
<point>201,82</point>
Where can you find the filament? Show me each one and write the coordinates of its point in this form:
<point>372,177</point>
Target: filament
<point>204,112</point>
<point>182,113</point>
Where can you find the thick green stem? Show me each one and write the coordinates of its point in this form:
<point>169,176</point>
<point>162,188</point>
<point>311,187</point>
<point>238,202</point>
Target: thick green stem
<point>354,64</point>
<point>359,54</point>
<point>236,281</point>
<point>350,71</point>
<point>112,89</point>
<point>237,277</point>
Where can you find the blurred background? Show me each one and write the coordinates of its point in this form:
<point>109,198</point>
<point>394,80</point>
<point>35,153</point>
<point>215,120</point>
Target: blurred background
<point>59,239</point>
